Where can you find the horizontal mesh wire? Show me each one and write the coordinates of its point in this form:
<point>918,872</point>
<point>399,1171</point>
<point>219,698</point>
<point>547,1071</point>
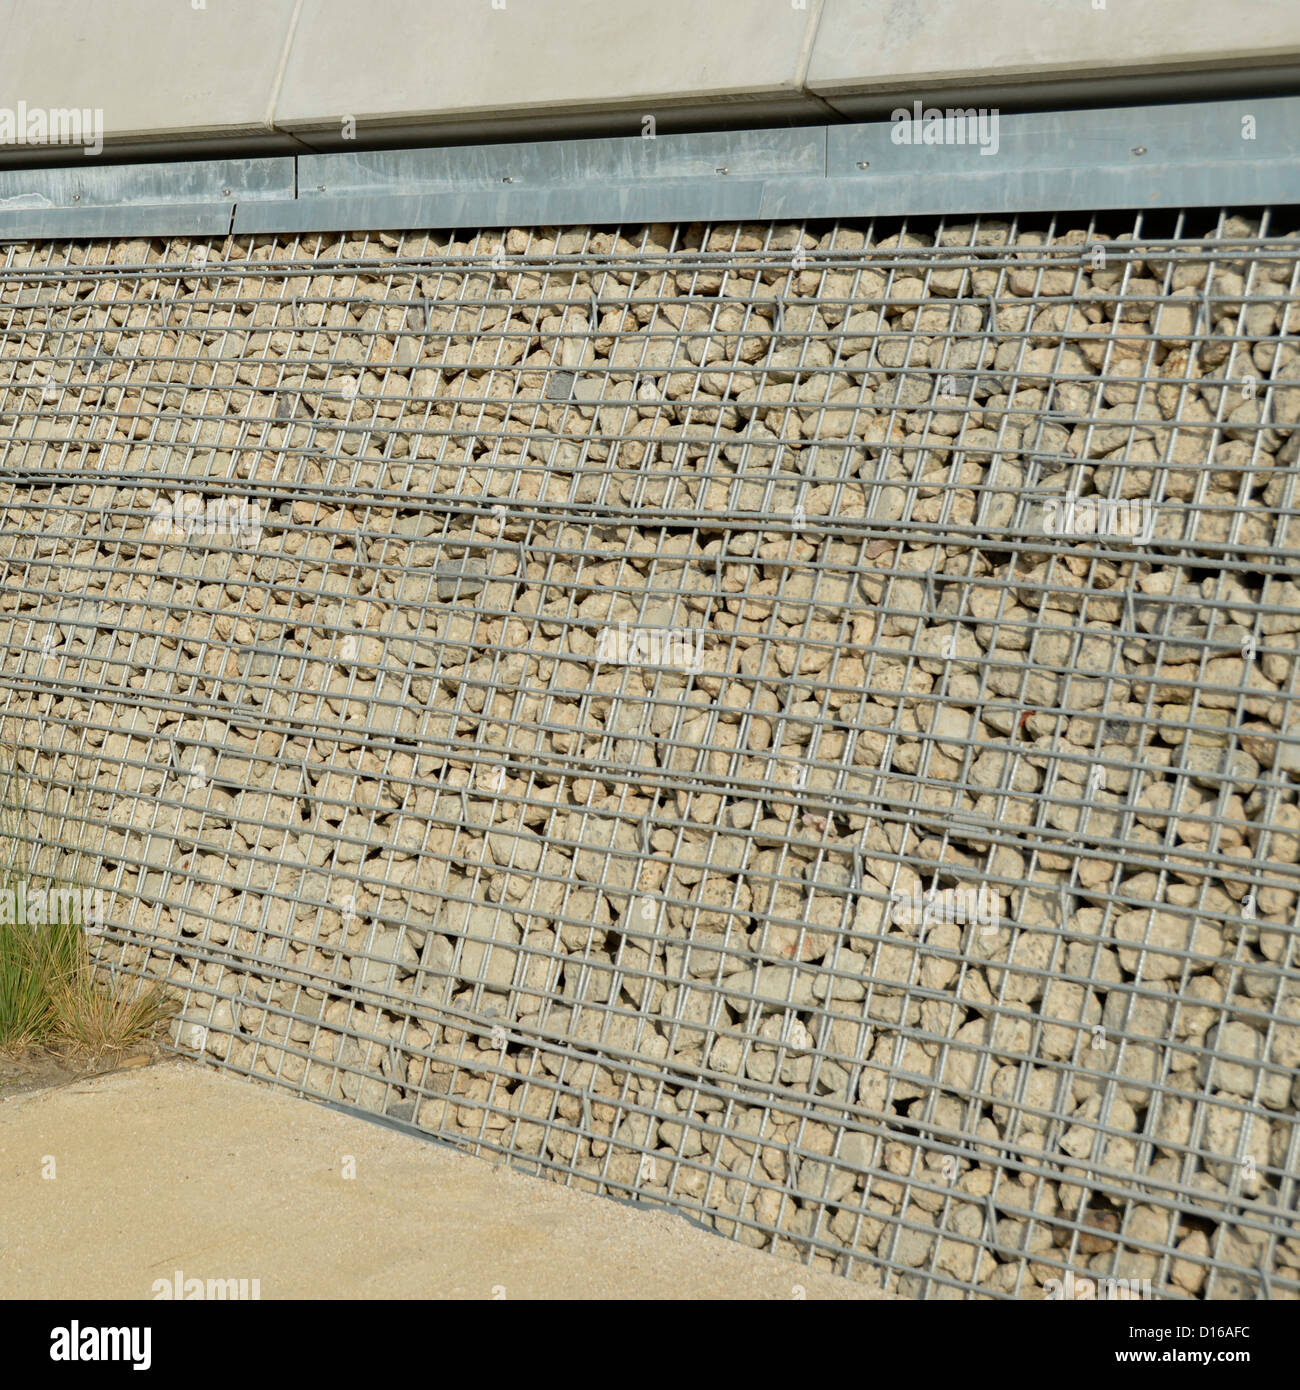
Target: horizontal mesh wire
<point>795,724</point>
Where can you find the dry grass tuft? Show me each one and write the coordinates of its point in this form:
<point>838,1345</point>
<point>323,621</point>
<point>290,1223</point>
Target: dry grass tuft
<point>50,991</point>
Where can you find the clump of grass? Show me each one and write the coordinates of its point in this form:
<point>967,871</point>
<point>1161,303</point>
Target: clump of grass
<point>95,1020</point>
<point>50,992</point>
<point>35,966</point>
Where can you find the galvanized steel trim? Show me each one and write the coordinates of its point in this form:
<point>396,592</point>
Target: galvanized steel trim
<point>1177,155</point>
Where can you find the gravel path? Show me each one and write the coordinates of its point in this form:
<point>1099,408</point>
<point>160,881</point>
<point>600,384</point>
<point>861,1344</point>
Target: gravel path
<point>174,1168</point>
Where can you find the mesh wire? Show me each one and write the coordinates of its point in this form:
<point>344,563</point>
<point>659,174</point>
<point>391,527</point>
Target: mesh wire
<point>665,705</point>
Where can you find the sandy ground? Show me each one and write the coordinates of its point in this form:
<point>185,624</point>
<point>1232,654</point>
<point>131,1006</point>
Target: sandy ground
<point>176,1168</point>
<point>35,1070</point>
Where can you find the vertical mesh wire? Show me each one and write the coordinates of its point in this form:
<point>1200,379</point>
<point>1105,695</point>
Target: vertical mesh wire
<point>795,724</point>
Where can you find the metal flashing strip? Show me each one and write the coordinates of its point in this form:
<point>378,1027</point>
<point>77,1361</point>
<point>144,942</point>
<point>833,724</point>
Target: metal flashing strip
<point>1208,185</point>
<point>85,200</point>
<point>1204,154</point>
<point>547,166</point>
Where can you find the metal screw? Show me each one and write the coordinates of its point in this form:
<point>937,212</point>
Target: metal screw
<point>225,193</point>
<point>320,188</point>
<point>722,169</point>
<point>505,178</point>
<point>76,197</point>
<point>864,164</point>
<point>1139,149</point>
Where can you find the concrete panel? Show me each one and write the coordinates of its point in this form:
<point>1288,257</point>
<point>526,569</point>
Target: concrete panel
<point>155,68</point>
<point>409,68</point>
<point>278,76</point>
<point>867,52</point>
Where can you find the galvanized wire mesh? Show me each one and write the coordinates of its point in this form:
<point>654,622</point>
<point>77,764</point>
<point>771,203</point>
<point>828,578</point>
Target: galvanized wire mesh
<point>797,724</point>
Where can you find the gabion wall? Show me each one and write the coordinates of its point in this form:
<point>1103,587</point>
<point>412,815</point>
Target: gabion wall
<point>800,725</point>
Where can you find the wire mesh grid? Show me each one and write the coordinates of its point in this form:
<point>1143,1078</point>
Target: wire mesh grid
<point>798,724</point>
